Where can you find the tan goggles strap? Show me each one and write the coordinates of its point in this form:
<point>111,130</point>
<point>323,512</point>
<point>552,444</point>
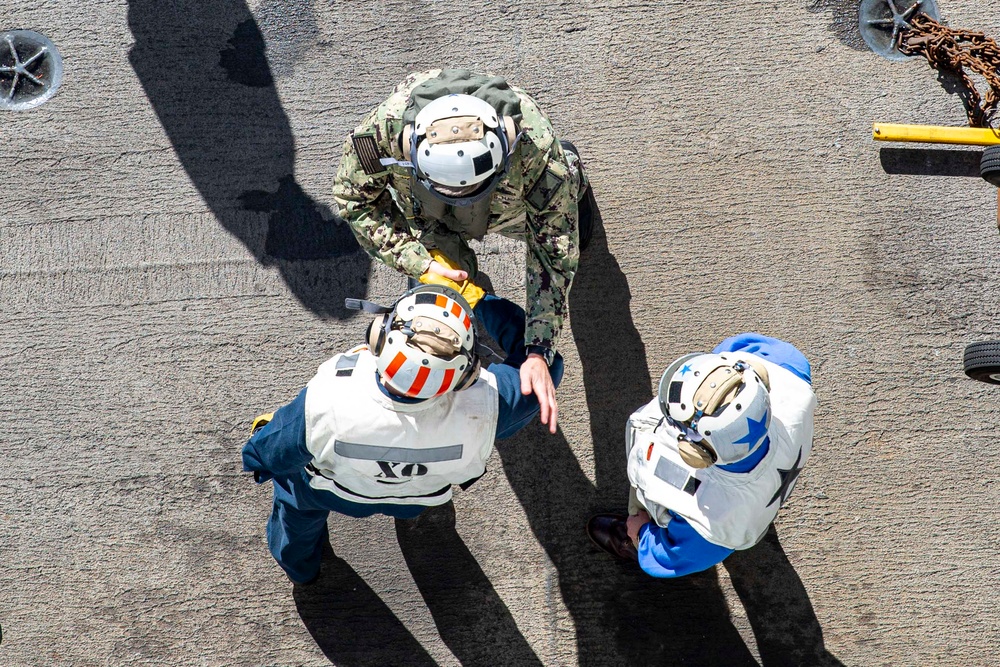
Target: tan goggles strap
<point>405,142</point>
<point>434,338</point>
<point>761,370</point>
<point>452,130</point>
<point>510,127</point>
<point>716,389</point>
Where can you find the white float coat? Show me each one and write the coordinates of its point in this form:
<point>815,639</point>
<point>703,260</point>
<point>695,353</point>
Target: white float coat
<point>729,509</point>
<point>368,448</point>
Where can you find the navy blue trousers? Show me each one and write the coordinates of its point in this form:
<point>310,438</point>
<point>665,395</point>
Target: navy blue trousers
<point>297,527</point>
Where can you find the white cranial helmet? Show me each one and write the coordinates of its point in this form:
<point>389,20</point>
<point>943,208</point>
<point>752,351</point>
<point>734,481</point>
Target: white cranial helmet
<point>426,346</point>
<point>721,404</point>
<point>458,141</point>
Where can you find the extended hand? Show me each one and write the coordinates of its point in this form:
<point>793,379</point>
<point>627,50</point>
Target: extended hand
<point>535,379</point>
<point>634,524</point>
<point>442,271</point>
<point>455,275</point>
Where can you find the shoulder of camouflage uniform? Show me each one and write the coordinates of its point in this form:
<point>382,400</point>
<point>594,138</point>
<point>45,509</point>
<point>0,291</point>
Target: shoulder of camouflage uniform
<point>542,175</point>
<point>534,123</point>
<point>384,123</point>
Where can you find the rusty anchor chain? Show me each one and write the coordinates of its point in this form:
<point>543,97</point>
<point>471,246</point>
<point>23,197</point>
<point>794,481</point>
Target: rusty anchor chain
<point>959,52</point>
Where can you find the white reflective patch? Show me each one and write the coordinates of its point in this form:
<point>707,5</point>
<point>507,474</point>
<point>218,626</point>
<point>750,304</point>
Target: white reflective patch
<point>671,473</point>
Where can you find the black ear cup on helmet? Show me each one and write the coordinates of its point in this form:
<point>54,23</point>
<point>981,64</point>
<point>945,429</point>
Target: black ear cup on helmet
<point>376,333</point>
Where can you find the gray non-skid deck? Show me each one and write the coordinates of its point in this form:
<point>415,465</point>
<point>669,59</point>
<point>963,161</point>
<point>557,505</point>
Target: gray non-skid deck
<point>170,267</point>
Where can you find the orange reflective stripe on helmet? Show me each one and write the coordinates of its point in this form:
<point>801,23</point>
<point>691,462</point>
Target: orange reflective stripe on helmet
<point>418,383</point>
<point>397,363</point>
<point>446,383</point>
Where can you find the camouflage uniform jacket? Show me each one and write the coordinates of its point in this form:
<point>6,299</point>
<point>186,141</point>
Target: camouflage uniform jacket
<point>536,201</point>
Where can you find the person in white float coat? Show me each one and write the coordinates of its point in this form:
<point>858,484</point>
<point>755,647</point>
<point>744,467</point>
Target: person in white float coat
<point>389,427</point>
<point>713,457</point>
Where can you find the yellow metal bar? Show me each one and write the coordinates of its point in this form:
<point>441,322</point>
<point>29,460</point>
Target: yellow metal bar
<point>932,134</point>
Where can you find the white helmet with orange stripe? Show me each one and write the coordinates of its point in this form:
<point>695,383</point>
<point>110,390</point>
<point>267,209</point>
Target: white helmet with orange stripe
<point>426,345</point>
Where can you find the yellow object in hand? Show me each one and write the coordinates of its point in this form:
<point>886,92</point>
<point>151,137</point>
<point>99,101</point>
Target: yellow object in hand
<point>260,422</point>
<point>469,290</point>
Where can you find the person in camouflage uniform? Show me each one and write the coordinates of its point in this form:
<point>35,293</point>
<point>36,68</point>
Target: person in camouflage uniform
<point>421,227</point>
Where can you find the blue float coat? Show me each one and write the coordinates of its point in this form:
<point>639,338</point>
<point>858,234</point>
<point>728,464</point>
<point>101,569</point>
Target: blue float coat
<point>677,549</point>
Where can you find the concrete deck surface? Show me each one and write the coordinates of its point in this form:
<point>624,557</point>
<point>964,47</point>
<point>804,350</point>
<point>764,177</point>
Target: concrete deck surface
<point>169,267</point>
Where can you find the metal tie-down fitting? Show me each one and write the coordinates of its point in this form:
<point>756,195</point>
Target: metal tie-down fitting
<point>881,21</point>
<point>30,70</point>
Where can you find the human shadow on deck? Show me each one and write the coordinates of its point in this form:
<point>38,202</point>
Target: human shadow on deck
<point>621,615</point>
<point>204,67</point>
<point>353,627</point>
<point>471,618</point>
<point>784,624</point>
<point>350,624</point>
<point>843,15</point>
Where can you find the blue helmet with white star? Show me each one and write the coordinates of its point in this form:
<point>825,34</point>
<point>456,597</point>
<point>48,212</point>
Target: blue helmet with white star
<point>720,403</point>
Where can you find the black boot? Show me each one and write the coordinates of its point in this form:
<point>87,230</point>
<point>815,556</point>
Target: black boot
<point>610,532</point>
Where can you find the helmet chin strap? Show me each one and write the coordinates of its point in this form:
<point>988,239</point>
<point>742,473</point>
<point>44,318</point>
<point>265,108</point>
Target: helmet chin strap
<point>463,191</point>
<point>368,306</point>
<point>694,449</point>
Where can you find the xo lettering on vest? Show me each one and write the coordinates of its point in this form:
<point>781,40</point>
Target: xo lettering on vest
<point>398,464</point>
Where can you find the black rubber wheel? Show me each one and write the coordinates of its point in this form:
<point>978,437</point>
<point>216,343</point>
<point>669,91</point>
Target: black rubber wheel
<point>989,166</point>
<point>982,361</point>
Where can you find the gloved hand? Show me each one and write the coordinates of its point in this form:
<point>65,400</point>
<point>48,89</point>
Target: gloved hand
<point>468,289</point>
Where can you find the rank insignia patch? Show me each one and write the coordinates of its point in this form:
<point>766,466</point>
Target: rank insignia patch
<point>544,189</point>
